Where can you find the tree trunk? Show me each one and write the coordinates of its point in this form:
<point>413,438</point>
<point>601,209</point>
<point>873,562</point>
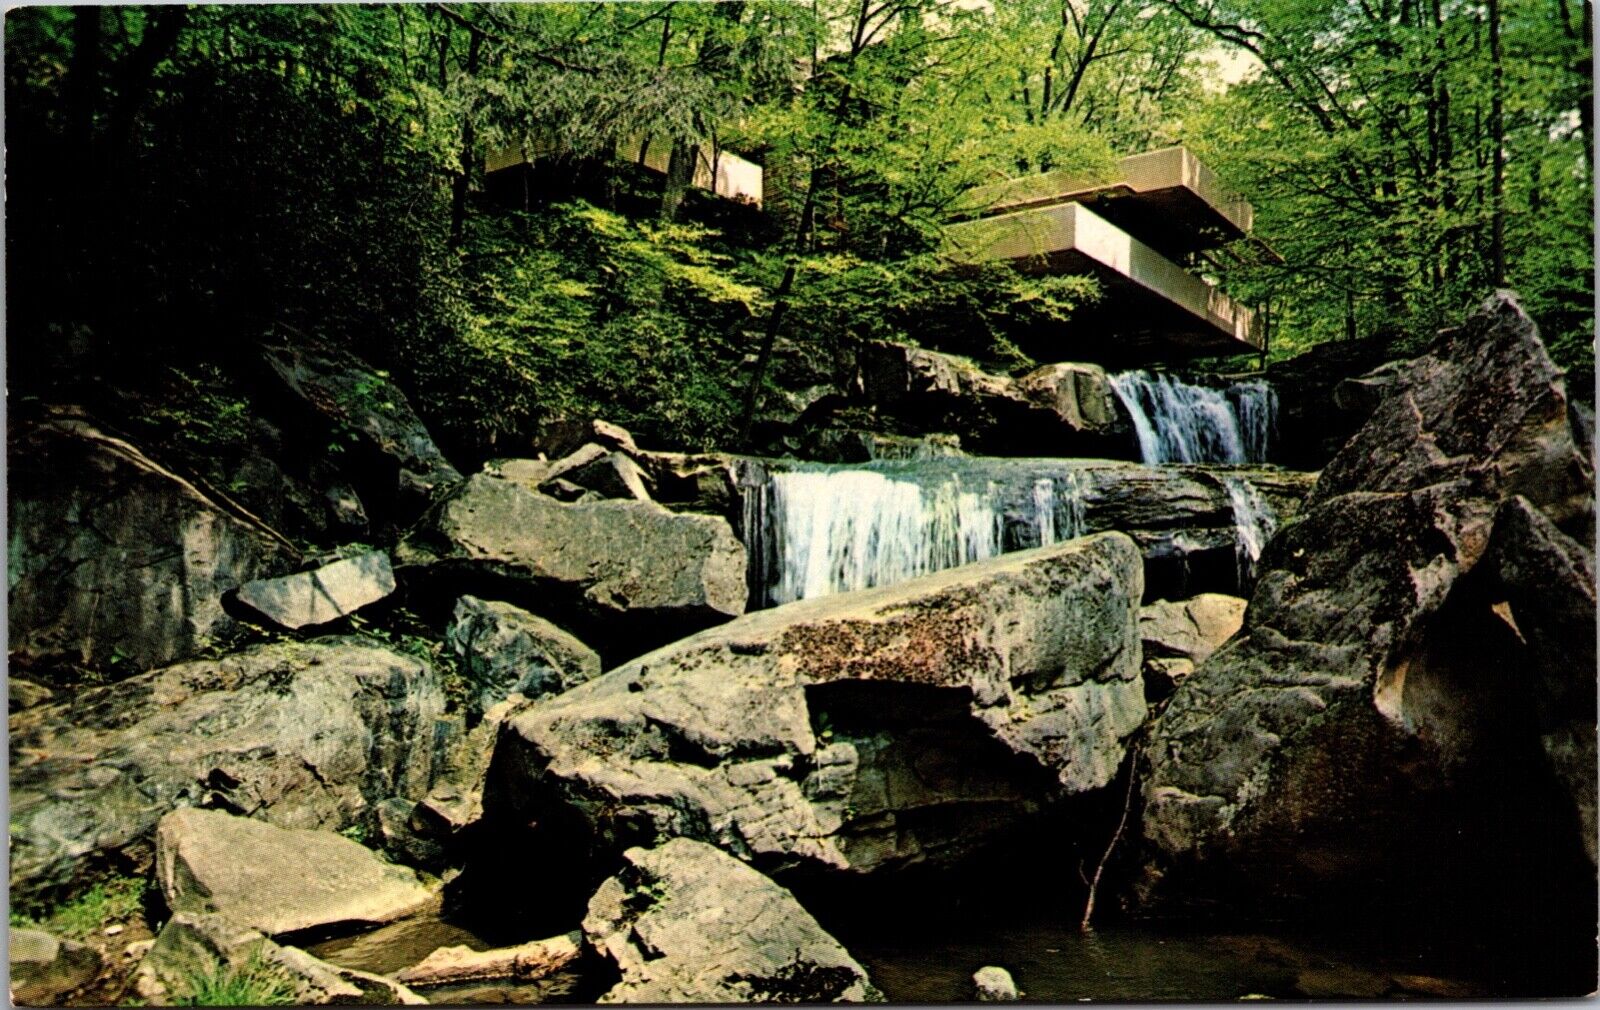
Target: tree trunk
<point>1497,141</point>
<point>463,180</point>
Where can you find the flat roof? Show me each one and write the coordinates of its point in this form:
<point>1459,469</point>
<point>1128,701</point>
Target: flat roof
<point>1168,198</point>
<point>1151,307</point>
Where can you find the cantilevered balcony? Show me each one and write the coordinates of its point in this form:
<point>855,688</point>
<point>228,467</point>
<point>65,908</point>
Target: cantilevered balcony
<point>720,172</point>
<point>1124,232</point>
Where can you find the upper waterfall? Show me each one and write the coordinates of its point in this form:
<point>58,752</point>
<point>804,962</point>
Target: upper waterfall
<point>1177,422</point>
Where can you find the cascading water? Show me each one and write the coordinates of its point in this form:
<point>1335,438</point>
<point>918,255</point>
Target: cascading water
<point>1255,522</point>
<point>820,530</point>
<point>1181,423</point>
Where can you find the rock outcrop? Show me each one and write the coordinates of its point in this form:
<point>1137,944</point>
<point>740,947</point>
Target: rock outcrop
<point>387,451</point>
<point>1065,409</point>
<point>686,923</point>
<point>1397,674</point>
<point>505,650</point>
<point>859,733</point>
<point>194,947</point>
<point>626,575</point>
<point>303,735</point>
<point>116,563</point>
<point>327,593</point>
<point>277,880</point>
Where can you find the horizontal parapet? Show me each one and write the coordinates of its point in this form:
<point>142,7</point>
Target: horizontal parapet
<point>1149,300</point>
<point>721,172</point>
<point>1168,198</point>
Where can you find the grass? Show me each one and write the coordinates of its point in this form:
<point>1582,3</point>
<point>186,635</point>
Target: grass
<point>254,983</point>
<point>115,899</point>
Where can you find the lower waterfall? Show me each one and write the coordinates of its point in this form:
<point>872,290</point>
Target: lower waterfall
<point>815,530</point>
<point>1177,422</point>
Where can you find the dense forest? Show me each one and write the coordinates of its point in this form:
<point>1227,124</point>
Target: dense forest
<point>185,179</point>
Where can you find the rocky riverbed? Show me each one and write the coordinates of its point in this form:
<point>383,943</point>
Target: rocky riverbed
<point>601,722</point>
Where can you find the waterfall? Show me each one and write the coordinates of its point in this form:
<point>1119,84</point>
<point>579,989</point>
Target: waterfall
<point>1254,521</point>
<point>1181,423</point>
<point>816,530</point>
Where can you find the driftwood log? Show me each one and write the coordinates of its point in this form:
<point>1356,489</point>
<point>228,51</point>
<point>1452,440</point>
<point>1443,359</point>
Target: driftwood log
<point>524,962</point>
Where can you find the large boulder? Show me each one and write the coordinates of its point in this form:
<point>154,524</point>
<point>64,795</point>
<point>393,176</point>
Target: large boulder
<point>277,880</point>
<point>199,948</point>
<point>303,735</point>
<point>686,923</point>
<point>624,574</point>
<point>858,733</point>
<point>505,650</point>
<point>386,450</point>
<point>1384,700</point>
<point>115,562</point>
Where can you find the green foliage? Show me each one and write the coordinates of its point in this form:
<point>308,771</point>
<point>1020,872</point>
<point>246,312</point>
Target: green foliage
<point>1365,138</point>
<point>115,899</point>
<point>256,982</point>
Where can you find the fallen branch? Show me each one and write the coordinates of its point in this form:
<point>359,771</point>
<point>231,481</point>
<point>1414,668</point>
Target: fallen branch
<point>1127,805</point>
<point>525,962</point>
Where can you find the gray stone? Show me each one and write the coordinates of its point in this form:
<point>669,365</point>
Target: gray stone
<point>864,731</point>
<point>390,454</point>
<point>994,985</point>
<point>277,880</point>
<point>1189,629</point>
<point>614,436</point>
<point>685,923</point>
<point>505,650</point>
<point>25,693</point>
<point>614,475</point>
<point>115,562</point>
<point>530,473</point>
<point>1375,667</point>
<point>301,734</point>
<point>577,459</point>
<point>324,594</point>
<point>639,572</point>
<point>1544,582</point>
<point>1081,395</point>
<point>45,968</point>
<point>1064,409</point>
<point>195,945</point>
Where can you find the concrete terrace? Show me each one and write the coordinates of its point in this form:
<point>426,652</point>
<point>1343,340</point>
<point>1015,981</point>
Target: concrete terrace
<point>1126,232</point>
<point>720,172</point>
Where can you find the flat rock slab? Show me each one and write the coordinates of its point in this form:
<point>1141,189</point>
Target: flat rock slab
<point>685,923</point>
<point>324,594</point>
<point>276,880</point>
<point>303,734</point>
<point>194,945</point>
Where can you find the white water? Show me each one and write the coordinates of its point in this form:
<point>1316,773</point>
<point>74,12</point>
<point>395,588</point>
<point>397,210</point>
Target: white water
<point>1181,423</point>
<point>1254,521</point>
<point>835,530</point>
